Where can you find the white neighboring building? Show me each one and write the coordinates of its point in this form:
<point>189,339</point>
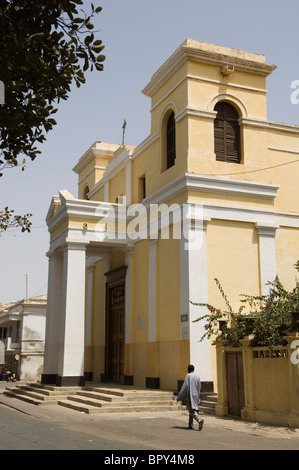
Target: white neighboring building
<point>22,333</point>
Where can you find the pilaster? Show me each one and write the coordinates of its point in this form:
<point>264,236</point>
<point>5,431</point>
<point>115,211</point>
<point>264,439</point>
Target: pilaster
<point>267,255</point>
<point>194,288</point>
<point>248,411</point>
<point>222,405</point>
<point>152,290</point>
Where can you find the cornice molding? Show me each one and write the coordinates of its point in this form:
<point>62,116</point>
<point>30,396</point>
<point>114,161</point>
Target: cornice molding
<point>271,125</point>
<point>212,184</point>
<point>94,152</point>
<point>195,112</point>
<point>185,53</point>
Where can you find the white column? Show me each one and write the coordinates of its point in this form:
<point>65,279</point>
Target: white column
<point>106,191</point>
<point>128,182</point>
<point>71,357</point>
<point>152,279</point>
<point>194,287</point>
<point>53,317</point>
<point>90,272</point>
<point>267,255</point>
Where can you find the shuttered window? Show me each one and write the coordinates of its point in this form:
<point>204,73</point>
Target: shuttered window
<point>227,133</point>
<point>170,141</point>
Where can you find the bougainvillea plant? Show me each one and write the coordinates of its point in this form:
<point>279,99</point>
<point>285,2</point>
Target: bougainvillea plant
<point>268,319</point>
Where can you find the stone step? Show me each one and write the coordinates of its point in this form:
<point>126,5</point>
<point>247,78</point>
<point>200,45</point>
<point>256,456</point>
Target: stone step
<point>97,401</point>
<point>43,388</point>
<point>209,397</point>
<point>39,394</point>
<point>117,408</point>
<point>130,392</point>
<point>145,396</point>
<point>118,400</point>
<point>26,391</point>
<point>28,398</point>
<point>44,392</point>
<point>204,408</point>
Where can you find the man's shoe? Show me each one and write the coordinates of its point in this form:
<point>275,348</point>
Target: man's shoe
<point>200,426</point>
<point>190,427</point>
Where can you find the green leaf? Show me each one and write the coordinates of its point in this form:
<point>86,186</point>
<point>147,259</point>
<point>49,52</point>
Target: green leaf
<point>97,48</point>
<point>36,36</point>
<point>101,58</point>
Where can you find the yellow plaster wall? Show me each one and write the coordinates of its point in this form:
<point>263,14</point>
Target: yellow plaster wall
<point>174,358</point>
<point>272,388</point>
<point>117,186</point>
<point>58,230</point>
<point>91,174</point>
<point>207,82</point>
<point>99,195</point>
<point>87,177</point>
<point>144,165</point>
<point>150,161</point>
<point>287,177</point>
<point>173,90</point>
<point>232,258</point>
<point>287,254</point>
<point>228,199</point>
<point>166,358</point>
<point>117,260</point>
<point>168,290</point>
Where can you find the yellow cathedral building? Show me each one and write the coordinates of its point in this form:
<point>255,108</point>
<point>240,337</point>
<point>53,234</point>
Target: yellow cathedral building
<point>212,192</point>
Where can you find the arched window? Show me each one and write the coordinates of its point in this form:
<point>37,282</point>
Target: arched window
<point>85,192</point>
<point>227,133</point>
<point>170,141</point>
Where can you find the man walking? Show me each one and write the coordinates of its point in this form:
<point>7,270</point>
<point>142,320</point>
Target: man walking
<point>191,389</point>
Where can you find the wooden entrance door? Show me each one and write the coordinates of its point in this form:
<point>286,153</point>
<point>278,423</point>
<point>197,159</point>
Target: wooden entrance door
<point>115,347</point>
<point>235,382</point>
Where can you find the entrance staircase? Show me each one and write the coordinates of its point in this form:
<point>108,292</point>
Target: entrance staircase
<point>109,399</point>
<point>39,394</point>
<point>105,398</point>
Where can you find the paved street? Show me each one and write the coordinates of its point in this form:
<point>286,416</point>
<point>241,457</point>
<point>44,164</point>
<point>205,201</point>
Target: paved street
<point>52,427</point>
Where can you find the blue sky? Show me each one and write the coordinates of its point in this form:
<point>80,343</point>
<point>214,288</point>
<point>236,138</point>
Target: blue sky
<point>139,36</point>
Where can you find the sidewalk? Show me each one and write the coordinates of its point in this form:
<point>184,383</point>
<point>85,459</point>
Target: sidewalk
<point>60,414</point>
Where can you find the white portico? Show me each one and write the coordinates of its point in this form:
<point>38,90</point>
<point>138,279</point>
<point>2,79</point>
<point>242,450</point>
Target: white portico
<point>68,258</point>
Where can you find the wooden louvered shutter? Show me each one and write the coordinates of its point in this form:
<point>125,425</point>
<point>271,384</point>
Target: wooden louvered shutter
<point>219,138</point>
<point>170,137</point>
<point>227,133</point>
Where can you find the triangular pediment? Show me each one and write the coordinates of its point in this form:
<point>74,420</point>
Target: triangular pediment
<point>57,202</point>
